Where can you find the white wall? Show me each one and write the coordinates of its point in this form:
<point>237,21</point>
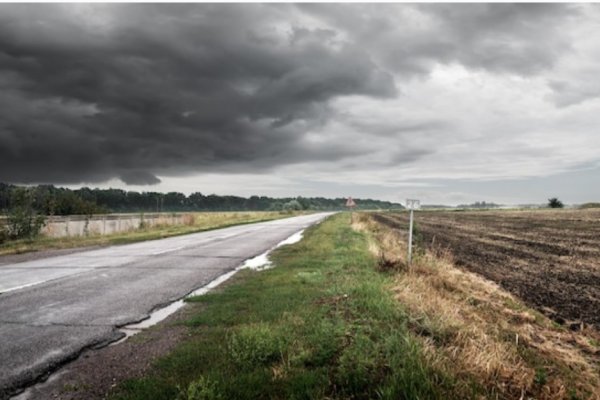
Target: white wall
<point>79,225</point>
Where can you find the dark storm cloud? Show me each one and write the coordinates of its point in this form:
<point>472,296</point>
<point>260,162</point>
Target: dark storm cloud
<point>518,38</point>
<point>93,92</point>
<point>131,91</point>
<point>506,38</point>
<point>139,178</point>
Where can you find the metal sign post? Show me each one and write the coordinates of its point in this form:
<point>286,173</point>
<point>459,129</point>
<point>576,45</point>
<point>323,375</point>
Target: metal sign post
<point>412,205</point>
<point>350,204</point>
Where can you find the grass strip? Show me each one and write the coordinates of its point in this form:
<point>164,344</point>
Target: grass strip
<point>198,222</point>
<point>321,324</point>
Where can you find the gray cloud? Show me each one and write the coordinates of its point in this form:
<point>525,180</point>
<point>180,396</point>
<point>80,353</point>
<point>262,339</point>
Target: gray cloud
<point>156,89</point>
<point>139,178</point>
<point>565,93</point>
<point>94,92</point>
<point>508,38</point>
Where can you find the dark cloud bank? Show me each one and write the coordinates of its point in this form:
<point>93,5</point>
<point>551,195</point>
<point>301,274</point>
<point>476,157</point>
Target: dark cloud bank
<point>89,93</point>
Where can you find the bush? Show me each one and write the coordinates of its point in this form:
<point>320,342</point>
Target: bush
<point>3,234</point>
<point>22,221</point>
<point>201,389</point>
<point>555,203</point>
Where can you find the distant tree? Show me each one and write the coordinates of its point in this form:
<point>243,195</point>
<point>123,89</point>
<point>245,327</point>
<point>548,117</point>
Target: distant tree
<point>275,206</point>
<point>293,205</point>
<point>50,200</point>
<point>478,204</point>
<point>555,203</point>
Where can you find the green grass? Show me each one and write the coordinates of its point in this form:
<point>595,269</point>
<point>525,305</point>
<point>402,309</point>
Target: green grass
<point>201,221</point>
<point>322,324</point>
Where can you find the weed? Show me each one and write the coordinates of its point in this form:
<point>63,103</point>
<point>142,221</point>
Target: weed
<point>69,387</point>
<point>202,388</point>
<point>541,376</point>
<point>255,344</point>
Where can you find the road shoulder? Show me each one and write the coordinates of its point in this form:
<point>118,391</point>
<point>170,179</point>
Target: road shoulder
<point>96,371</point>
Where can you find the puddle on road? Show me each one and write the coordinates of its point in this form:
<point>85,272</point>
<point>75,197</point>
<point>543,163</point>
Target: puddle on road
<point>262,262</point>
<point>258,263</point>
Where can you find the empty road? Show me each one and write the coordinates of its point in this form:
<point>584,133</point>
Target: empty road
<point>53,308</point>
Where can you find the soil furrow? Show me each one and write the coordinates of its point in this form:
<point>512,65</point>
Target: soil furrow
<point>551,259</point>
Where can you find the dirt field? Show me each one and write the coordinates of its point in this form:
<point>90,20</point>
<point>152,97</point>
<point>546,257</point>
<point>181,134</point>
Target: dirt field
<point>550,259</point>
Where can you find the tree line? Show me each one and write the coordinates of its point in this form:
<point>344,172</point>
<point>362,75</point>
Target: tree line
<point>51,200</point>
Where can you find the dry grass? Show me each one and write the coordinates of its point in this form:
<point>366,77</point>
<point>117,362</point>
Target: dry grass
<point>488,339</point>
<point>192,222</point>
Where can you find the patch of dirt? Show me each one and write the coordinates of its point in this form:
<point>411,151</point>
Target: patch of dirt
<point>96,372</point>
<point>550,259</point>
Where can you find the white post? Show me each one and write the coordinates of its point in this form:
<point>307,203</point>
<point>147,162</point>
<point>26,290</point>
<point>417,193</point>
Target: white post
<point>411,204</point>
<point>410,234</point>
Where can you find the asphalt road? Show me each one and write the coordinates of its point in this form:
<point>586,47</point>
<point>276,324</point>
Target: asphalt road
<point>53,308</point>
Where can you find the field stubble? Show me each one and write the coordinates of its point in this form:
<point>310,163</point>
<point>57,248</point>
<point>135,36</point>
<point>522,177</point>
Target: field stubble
<point>478,332</point>
<point>550,259</point>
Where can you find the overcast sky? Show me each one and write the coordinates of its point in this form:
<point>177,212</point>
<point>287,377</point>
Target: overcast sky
<point>447,103</point>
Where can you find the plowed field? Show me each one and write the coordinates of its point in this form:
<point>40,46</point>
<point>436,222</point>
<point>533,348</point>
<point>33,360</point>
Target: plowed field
<point>550,259</point>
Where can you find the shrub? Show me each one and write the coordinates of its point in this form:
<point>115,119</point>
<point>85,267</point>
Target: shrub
<point>292,205</point>
<point>22,221</point>
<point>3,234</point>
<point>555,203</point>
<point>201,389</point>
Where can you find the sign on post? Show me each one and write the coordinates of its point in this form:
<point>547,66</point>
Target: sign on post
<point>411,204</point>
<point>350,203</point>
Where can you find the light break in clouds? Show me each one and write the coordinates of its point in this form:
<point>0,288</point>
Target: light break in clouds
<point>450,102</point>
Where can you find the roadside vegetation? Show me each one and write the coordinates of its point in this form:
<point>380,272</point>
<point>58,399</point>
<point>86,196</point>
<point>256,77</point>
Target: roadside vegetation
<point>341,316</point>
<point>22,220</point>
<point>480,334</point>
<point>193,222</point>
<point>322,324</point>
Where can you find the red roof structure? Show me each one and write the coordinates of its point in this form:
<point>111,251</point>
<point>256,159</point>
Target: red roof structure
<point>350,203</point>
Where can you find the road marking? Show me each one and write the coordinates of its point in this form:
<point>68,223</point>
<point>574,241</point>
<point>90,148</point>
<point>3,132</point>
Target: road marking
<point>167,251</point>
<point>20,287</point>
